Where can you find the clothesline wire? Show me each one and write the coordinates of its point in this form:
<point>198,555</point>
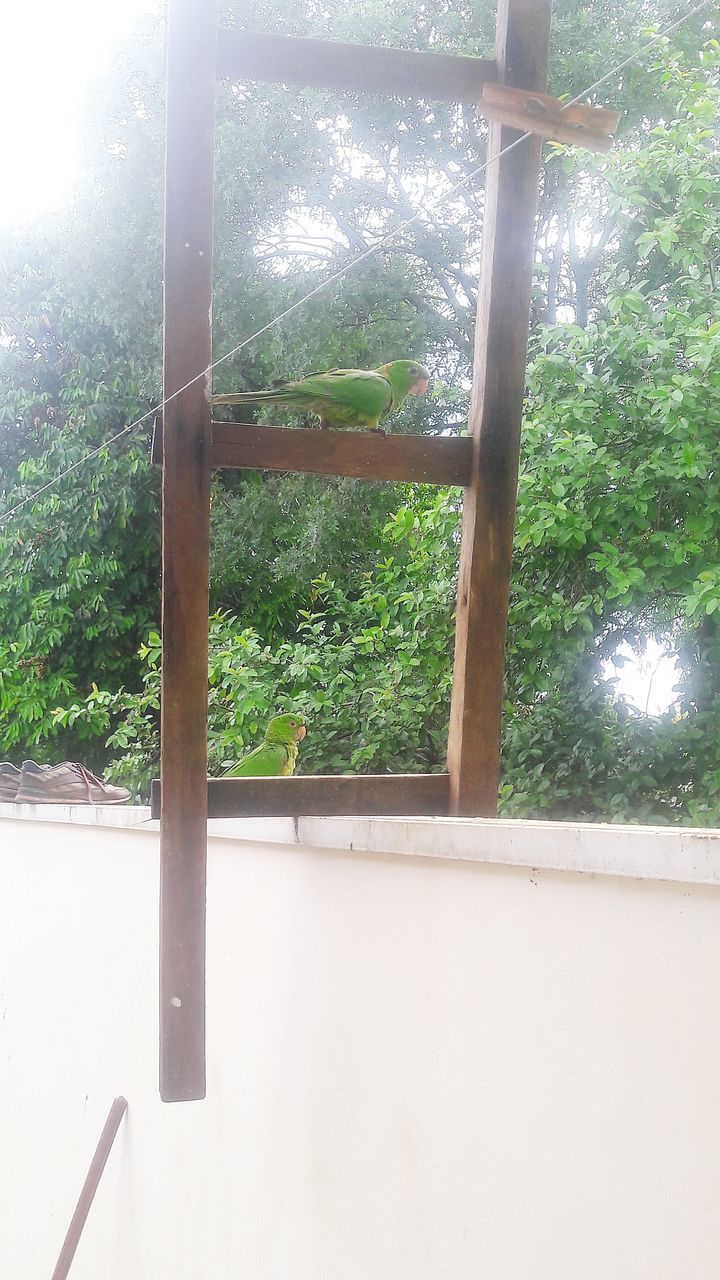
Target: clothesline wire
<point>349,266</point>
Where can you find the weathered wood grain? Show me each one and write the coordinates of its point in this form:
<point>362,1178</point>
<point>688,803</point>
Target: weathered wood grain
<point>331,64</point>
<point>370,795</point>
<point>186,496</point>
<point>443,460</point>
<point>495,419</point>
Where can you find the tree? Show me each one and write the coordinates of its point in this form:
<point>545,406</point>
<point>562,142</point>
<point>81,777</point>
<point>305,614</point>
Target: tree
<point>78,568</point>
<point>371,669</point>
<point>617,533</point>
<point>618,466</point>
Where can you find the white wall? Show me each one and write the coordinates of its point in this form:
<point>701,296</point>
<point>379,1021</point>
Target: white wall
<point>418,1068</point>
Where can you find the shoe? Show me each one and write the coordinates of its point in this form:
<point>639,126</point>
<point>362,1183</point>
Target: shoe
<point>66,783</point>
<point>10,778</point>
<point>9,782</point>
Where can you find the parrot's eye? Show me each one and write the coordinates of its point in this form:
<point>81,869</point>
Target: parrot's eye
<point>413,373</point>
<point>293,724</point>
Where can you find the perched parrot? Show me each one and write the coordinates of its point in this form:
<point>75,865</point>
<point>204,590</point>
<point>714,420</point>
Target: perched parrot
<point>277,754</point>
<point>352,398</point>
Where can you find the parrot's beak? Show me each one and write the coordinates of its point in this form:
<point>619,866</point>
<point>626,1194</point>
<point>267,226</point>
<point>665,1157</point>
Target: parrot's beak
<point>419,388</point>
<point>300,732</point>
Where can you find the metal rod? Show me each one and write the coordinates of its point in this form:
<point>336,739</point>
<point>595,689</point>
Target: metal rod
<point>90,1186</point>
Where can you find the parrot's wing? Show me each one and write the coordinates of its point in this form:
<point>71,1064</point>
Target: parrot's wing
<point>266,761</point>
<point>368,393</point>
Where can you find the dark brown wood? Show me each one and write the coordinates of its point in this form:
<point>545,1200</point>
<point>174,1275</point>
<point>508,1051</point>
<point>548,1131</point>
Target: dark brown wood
<point>186,499</point>
<point>426,459</point>
<point>89,1187</point>
<point>329,64</point>
<point>368,795</point>
<point>495,419</point>
<point>441,460</point>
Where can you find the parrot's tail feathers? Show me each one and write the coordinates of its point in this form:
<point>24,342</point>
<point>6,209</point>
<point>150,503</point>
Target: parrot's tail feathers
<point>248,397</point>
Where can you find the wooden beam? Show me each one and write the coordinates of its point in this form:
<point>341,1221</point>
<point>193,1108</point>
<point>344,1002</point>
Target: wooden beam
<point>369,795</point>
<point>191,41</point>
<point>495,418</point>
<point>356,68</point>
<point>443,460</point>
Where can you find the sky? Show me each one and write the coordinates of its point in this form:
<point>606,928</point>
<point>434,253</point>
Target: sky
<point>645,681</point>
<point>50,53</point>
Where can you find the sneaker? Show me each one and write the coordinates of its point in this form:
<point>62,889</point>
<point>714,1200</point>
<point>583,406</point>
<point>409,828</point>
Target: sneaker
<point>9,782</point>
<point>66,783</point>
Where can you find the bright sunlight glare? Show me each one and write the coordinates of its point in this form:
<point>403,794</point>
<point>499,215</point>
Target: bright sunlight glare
<point>645,681</point>
<point>50,52</point>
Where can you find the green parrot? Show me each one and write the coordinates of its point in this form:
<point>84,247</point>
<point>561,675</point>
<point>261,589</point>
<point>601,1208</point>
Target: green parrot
<point>352,398</point>
<point>277,754</point>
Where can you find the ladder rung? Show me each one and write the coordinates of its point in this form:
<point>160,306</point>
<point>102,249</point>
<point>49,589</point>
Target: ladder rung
<point>372,795</point>
<point>443,460</point>
<point>356,68</point>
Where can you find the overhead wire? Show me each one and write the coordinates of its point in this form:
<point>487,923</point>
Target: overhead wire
<point>6,515</point>
<point>433,203</point>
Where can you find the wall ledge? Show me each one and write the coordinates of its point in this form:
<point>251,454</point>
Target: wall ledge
<point>86,815</point>
<point>681,854</point>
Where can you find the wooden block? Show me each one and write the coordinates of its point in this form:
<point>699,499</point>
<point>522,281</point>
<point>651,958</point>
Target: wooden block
<point>578,124</point>
<point>363,795</point>
<point>156,440</point>
<point>330,64</point>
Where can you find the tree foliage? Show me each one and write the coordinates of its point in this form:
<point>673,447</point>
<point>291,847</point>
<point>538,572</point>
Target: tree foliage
<point>617,536</point>
<point>339,595</point>
<point>370,669</point>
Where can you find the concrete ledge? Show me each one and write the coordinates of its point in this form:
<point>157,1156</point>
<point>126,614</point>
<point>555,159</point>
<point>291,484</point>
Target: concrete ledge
<point>681,854</point>
<point>647,853</point>
<point>272,830</point>
<point>87,815</point>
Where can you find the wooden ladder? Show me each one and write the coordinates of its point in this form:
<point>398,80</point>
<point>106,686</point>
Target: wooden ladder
<point>485,464</point>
